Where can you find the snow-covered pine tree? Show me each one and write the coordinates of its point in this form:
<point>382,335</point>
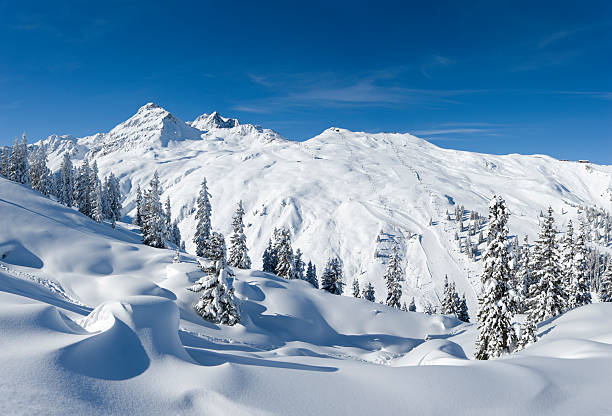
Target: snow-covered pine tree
<point>99,205</point>
<point>448,305</point>
<point>203,214</point>
<point>356,290</point>
<point>605,286</point>
<point>216,303</point>
<point>496,335</point>
<point>113,192</point>
<point>284,253</point>
<point>153,215</point>
<point>393,278</point>
<point>238,251</point>
<point>82,189</point>
<point>4,162</point>
<point>566,257</point>
<point>412,306</point>
<point>40,175</point>
<point>266,259</point>
<point>66,181</point>
<point>528,333</point>
<point>168,219</point>
<point>139,206</point>
<point>524,276</point>
<point>368,292</point>
<point>18,170</point>
<point>298,265</point>
<point>546,296</point>
<point>579,291</point>
<point>462,310</point>
<point>94,182</point>
<point>331,279</point>
<point>311,275</point>
<point>175,234</point>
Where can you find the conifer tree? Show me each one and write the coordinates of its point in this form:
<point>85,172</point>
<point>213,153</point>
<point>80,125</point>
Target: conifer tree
<point>238,251</point>
<point>528,333</point>
<point>298,265</point>
<point>216,303</point>
<point>139,206</point>
<point>547,297</point>
<point>311,275</point>
<point>152,215</point>
<point>175,234</point>
<point>567,256</point>
<point>579,291</point>
<point>284,253</point>
<point>40,175</point>
<point>462,311</point>
<point>524,276</point>
<point>66,182</point>
<point>82,189</point>
<point>269,265</point>
<point>168,219</point>
<point>98,209</point>
<point>4,162</point>
<point>393,278</point>
<point>496,335</point>
<point>113,196</point>
<point>331,280</point>
<point>18,170</point>
<point>356,290</point>
<point>203,214</point>
<point>605,286</point>
<point>368,292</point>
<point>412,306</point>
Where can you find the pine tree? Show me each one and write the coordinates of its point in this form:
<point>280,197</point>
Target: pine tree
<point>98,209</point>
<point>528,333</point>
<point>579,290</point>
<point>284,253</point>
<point>393,278</point>
<point>356,290</point>
<point>605,286</point>
<point>368,292</point>
<point>331,280</point>
<point>267,259</point>
<point>547,297</point>
<point>567,256</point>
<point>152,215</point>
<point>175,234</point>
<point>168,219</point>
<point>238,251</point>
<point>412,306</point>
<point>113,196</point>
<point>82,189</point>
<point>40,175</point>
<point>496,335</point>
<point>18,170</point>
<point>462,311</point>
<point>216,302</point>
<point>524,276</point>
<point>311,275</point>
<point>66,182</point>
<point>448,305</point>
<point>298,265</point>
<point>139,206</point>
<point>203,214</point>
<point>4,162</point>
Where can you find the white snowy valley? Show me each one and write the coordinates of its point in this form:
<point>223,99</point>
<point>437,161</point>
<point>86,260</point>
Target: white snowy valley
<point>94,321</point>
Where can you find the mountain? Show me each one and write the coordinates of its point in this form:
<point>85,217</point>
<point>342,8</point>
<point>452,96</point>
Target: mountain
<point>342,193</point>
<point>94,322</point>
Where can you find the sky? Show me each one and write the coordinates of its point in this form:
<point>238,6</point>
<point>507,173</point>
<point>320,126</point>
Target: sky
<point>487,76</point>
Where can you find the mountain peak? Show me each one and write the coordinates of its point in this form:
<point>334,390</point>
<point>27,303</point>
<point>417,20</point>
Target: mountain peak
<point>214,121</point>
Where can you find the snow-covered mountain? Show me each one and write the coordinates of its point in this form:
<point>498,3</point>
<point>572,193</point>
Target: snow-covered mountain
<point>341,193</point>
<point>94,322</point>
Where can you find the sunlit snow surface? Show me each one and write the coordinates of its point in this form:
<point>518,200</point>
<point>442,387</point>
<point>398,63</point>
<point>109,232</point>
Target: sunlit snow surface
<point>92,322</point>
<point>338,191</point>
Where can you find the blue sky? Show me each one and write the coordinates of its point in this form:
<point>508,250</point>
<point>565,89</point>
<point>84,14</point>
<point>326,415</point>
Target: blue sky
<point>489,76</point>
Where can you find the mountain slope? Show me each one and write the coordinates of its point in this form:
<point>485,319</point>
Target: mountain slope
<point>93,322</point>
<point>343,193</point>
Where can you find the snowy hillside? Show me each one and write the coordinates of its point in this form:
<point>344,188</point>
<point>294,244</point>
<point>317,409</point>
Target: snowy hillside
<point>93,322</point>
<point>341,193</point>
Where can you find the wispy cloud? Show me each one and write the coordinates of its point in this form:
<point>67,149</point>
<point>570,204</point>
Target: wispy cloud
<point>435,132</point>
<point>435,61</point>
